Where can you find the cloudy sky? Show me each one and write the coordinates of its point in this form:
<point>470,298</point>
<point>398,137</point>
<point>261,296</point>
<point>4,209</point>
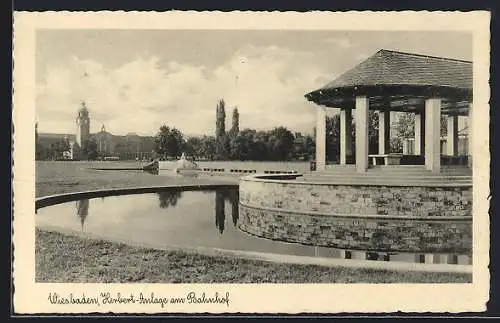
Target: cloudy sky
<point>136,80</point>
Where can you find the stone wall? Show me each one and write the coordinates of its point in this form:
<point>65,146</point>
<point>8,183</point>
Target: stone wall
<point>359,200</point>
<point>378,218</point>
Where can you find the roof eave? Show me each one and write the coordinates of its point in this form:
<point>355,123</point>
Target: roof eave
<point>340,95</point>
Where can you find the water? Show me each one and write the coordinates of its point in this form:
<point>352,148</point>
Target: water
<point>190,219</point>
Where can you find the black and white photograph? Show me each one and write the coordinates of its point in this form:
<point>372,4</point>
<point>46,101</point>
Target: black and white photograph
<point>169,166</point>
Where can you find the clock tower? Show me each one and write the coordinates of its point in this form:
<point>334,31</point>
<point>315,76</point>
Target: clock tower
<point>82,125</point>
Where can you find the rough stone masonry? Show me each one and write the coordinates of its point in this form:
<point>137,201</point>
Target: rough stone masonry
<point>382,218</point>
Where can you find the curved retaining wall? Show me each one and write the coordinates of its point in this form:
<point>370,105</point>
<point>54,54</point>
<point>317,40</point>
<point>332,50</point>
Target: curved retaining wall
<point>368,217</point>
<point>49,200</point>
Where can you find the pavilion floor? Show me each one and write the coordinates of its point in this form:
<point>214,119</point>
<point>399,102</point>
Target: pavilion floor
<point>400,175</point>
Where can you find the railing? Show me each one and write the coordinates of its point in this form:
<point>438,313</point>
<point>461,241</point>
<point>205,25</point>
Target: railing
<point>246,171</point>
<point>111,158</point>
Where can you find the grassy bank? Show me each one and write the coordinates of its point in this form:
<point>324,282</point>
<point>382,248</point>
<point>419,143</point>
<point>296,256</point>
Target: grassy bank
<point>66,258</point>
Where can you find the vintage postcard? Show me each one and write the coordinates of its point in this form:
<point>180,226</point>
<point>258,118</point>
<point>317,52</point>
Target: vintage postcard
<point>250,162</point>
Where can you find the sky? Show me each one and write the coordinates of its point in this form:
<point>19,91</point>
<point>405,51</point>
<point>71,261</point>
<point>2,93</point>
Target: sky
<point>133,81</point>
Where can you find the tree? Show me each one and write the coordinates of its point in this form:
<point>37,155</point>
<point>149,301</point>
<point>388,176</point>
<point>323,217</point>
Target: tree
<point>333,138</point>
<point>404,129</point>
<point>89,149</point>
<point>280,144</point>
<point>41,152</point>
<point>396,144</point>
<point>63,145</point>
<point>56,149</point>
<point>193,147</point>
<point>373,132</point>
<point>444,126</point>
<point>303,147</point>
<point>245,144</point>
<point>405,125</point>
<point>200,147</point>
<point>310,147</point>
<point>221,139</point>
<point>298,146</point>
<point>235,128</point>
<point>39,149</point>
<point>169,141</point>
<point>208,146</point>
<point>242,146</point>
<point>237,149</point>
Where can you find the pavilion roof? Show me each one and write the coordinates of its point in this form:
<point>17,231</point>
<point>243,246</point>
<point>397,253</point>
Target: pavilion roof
<point>395,73</point>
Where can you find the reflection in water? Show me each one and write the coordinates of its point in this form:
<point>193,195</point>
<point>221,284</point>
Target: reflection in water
<point>82,210</point>
<point>169,198</point>
<point>220,207</point>
<point>152,171</point>
<point>450,259</point>
<point>152,229</point>
<point>234,198</point>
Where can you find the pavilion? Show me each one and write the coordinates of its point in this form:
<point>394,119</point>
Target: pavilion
<point>395,81</point>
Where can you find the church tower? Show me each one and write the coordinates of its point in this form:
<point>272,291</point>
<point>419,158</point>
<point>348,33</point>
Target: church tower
<point>82,125</point>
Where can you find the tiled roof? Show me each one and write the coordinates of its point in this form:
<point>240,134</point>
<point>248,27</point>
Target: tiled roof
<point>396,68</point>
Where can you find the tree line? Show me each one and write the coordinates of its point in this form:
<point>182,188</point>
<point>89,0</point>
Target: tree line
<point>277,144</point>
<point>249,144</point>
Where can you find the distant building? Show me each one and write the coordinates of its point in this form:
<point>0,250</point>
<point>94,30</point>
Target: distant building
<point>105,142</point>
<point>128,147</point>
<point>82,125</point>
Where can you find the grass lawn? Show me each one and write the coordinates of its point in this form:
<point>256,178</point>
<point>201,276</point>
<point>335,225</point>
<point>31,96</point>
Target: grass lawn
<point>97,261</point>
<point>66,258</point>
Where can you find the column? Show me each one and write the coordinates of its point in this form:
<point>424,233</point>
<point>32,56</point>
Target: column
<point>470,148</point>
<point>345,135</point>
<point>406,144</point>
<point>384,128</point>
<point>418,134</point>
<point>422,132</point>
<point>452,135</point>
<point>432,135</point>
<point>321,139</point>
<point>362,104</point>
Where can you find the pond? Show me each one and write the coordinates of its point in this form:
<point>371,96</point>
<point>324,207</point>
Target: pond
<point>202,218</point>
